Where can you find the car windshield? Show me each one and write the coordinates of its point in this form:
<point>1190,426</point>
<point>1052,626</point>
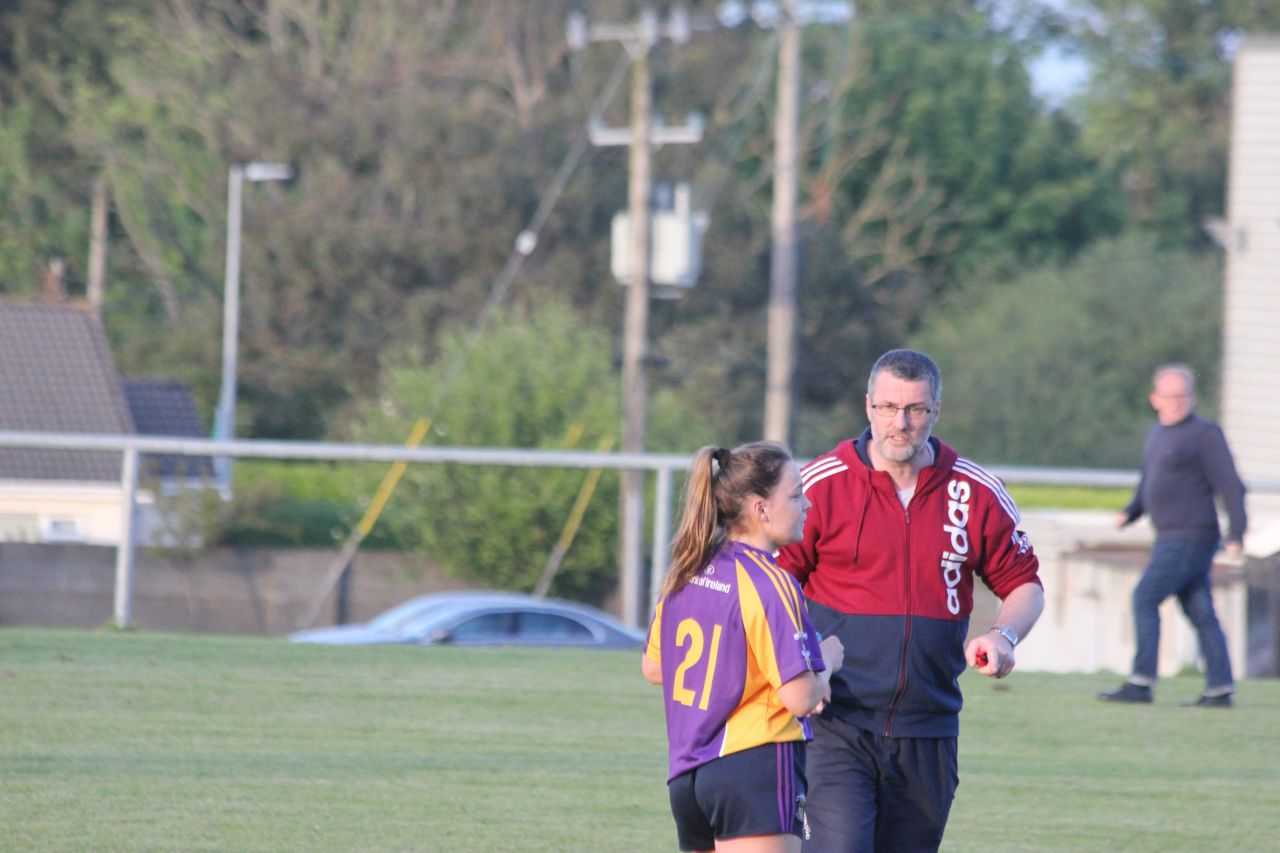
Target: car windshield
<point>505,626</point>
<point>550,626</point>
<point>402,614</point>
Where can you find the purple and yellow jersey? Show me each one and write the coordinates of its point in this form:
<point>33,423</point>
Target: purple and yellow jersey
<point>726,642</point>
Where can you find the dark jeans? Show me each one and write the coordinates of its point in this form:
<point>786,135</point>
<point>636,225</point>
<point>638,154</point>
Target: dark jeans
<point>1180,567</point>
<point>874,794</point>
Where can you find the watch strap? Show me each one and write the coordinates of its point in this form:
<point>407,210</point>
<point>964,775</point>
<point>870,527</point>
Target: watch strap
<point>1008,633</point>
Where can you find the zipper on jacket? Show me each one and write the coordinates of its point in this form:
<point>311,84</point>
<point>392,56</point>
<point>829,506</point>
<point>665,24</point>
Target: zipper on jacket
<point>906,634</point>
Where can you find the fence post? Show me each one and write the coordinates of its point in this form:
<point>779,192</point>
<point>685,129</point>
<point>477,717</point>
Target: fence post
<point>123,610</point>
<point>661,536</point>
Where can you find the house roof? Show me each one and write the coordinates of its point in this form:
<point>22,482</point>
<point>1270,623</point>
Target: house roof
<point>57,375</point>
<point>166,407</point>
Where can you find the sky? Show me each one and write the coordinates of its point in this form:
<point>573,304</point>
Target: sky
<point>1057,75</point>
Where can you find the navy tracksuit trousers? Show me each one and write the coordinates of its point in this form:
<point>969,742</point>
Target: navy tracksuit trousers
<point>874,794</point>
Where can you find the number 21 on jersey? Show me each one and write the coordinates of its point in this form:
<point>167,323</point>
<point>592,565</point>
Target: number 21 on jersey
<point>689,630</point>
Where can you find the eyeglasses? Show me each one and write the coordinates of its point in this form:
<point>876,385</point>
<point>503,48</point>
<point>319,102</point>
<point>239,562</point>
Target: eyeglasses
<point>889,411</point>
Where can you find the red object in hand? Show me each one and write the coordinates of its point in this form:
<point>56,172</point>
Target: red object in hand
<point>981,658</point>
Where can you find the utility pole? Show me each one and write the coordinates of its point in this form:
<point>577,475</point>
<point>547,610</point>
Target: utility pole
<point>787,16</point>
<point>641,135</point>
<point>783,262</point>
<point>97,285</point>
<point>635,345</point>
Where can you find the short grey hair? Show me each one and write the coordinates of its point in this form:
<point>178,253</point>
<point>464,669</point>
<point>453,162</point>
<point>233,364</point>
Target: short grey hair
<point>1176,367</point>
<point>910,366</point>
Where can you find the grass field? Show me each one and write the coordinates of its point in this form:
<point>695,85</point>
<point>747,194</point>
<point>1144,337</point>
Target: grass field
<point>1069,497</point>
<point>118,741</point>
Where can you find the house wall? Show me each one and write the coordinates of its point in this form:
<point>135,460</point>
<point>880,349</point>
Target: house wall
<point>1251,347</point>
<point>92,508</point>
<point>222,591</point>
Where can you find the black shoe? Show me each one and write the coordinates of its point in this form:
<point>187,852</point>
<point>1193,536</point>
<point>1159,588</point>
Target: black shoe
<point>1128,692</point>
<point>1222,700</point>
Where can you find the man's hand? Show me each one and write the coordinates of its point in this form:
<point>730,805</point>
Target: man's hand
<point>833,659</point>
<point>1233,550</point>
<point>826,700</point>
<point>832,653</point>
<point>1122,520</point>
<point>991,654</point>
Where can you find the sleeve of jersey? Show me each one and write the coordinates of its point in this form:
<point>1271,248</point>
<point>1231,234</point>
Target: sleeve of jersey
<point>653,648</point>
<point>776,623</point>
<point>1010,560</point>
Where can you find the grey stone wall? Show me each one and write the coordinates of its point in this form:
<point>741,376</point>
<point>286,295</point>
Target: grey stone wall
<point>223,591</point>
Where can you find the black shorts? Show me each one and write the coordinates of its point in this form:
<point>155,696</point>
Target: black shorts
<point>758,791</point>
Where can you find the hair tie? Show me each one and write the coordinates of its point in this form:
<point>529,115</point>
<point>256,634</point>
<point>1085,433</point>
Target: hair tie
<point>721,457</point>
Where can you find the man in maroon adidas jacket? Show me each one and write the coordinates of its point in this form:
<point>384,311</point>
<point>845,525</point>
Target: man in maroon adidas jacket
<point>899,527</point>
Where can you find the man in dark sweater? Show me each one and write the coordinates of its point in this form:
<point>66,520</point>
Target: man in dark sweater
<point>1185,463</point>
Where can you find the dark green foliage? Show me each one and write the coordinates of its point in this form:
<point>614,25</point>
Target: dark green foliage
<point>307,504</point>
<point>933,167</point>
<point>1054,366</point>
<point>424,136</point>
<point>533,378</point>
<point>1157,110</point>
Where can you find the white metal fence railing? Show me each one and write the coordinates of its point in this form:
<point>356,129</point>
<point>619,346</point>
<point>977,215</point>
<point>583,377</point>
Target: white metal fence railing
<point>663,466</point>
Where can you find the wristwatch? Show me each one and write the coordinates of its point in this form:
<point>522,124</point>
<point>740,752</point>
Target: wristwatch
<point>1008,633</point>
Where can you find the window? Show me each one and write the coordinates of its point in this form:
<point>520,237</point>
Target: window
<point>59,528</point>
<point>540,627</point>
<point>485,628</point>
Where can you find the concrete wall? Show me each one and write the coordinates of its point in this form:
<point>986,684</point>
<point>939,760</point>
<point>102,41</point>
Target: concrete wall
<point>1089,571</point>
<point>224,591</point>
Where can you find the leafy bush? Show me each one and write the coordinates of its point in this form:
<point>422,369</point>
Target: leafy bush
<point>540,378</point>
<point>290,504</point>
<point>1053,368</point>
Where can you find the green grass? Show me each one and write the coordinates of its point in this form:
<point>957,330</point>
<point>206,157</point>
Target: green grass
<point>1069,497</point>
<point>122,741</point>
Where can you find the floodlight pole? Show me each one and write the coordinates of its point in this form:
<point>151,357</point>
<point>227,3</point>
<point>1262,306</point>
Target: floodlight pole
<point>224,427</point>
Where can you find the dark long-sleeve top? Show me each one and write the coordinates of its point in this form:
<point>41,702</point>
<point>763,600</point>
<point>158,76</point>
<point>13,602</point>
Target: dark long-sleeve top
<point>1183,466</point>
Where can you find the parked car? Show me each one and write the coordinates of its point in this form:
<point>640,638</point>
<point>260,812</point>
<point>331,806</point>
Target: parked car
<point>478,618</point>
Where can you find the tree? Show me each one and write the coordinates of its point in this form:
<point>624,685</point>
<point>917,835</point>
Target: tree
<point>404,125</point>
<point>423,138</point>
<point>1052,368</point>
<point>1157,107</point>
<point>535,378</point>
<point>934,166</point>
<point>46,47</point>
